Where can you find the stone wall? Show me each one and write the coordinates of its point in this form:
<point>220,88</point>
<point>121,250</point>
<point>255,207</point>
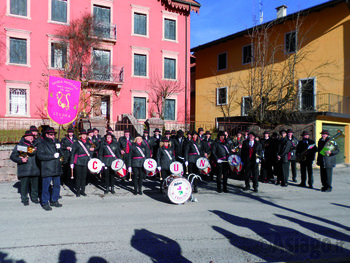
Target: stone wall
<point>8,169</point>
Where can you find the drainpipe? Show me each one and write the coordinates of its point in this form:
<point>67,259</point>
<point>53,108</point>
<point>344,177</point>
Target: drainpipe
<point>186,67</point>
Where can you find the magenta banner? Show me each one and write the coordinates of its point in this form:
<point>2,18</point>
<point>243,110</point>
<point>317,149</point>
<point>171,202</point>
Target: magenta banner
<point>63,100</point>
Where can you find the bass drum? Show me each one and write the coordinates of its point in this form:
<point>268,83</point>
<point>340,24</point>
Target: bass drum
<point>177,188</point>
<point>94,165</point>
<point>235,163</point>
<point>119,167</point>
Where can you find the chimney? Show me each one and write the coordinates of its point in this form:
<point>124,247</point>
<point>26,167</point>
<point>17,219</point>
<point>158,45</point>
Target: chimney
<point>281,11</point>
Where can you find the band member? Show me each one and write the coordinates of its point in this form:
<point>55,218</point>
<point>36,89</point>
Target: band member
<point>179,142</point>
<point>138,154</point>
<point>266,161</point>
<point>125,143</point>
<point>149,141</point>
<point>245,135</point>
<point>194,149</point>
<point>81,155</point>
<point>228,138</point>
<point>208,143</point>
<point>274,144</point>
<point>109,151</point>
<point>306,157</point>
<point>326,162</point>
<point>97,136</point>
<point>157,138</point>
<point>95,142</point>
<point>284,148</point>
<point>201,133</point>
<point>251,154</point>
<point>35,132</point>
<point>49,154</point>
<point>237,143</point>
<point>292,154</point>
<point>173,135</point>
<point>28,171</point>
<point>67,146</point>
<point>167,135</point>
<point>220,152</point>
<point>165,157</point>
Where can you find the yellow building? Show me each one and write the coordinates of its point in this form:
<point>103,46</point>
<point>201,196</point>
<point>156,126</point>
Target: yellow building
<point>306,52</point>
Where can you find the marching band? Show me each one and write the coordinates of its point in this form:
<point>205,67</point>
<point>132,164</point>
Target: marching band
<point>179,162</point>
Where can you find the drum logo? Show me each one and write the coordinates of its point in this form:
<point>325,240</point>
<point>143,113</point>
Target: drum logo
<point>202,163</point>
<point>94,165</point>
<point>150,164</point>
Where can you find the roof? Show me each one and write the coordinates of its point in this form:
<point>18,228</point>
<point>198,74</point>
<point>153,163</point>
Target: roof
<point>185,5</point>
<point>304,12</point>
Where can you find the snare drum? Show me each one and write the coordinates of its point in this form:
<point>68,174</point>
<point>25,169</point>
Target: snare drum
<point>150,166</point>
<point>235,163</point>
<point>176,168</point>
<point>95,165</point>
<point>203,165</point>
<point>177,188</point>
<point>119,167</point>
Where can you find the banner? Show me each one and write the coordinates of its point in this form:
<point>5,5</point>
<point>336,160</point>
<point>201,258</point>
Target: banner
<point>63,100</point>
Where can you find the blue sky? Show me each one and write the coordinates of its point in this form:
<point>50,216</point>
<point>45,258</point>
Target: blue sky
<point>219,18</point>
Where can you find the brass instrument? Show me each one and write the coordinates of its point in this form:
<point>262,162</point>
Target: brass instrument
<point>303,155</point>
<point>330,144</point>
<point>24,151</point>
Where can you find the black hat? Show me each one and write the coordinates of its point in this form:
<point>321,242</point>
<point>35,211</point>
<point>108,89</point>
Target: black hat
<point>126,131</point>
<point>290,131</point>
<point>305,133</point>
<point>156,130</point>
<point>252,133</point>
<point>188,133</point>
<point>50,130</point>
<point>95,129</point>
<point>283,130</point>
<point>70,130</point>
<point>28,133</point>
<point>274,134</point>
<point>33,128</point>
<point>246,130</point>
<point>90,131</point>
<point>109,133</point>
<point>145,131</point>
<point>83,131</point>
<point>221,133</point>
<point>200,129</point>
<point>266,132</point>
<point>165,139</point>
<point>109,128</point>
<point>138,135</point>
<point>167,132</point>
<point>325,132</point>
<point>173,132</point>
<point>239,131</point>
<point>194,133</point>
<point>207,133</point>
<point>180,132</point>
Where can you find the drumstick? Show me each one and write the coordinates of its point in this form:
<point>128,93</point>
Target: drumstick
<point>130,178</point>
<point>72,176</point>
<point>186,169</point>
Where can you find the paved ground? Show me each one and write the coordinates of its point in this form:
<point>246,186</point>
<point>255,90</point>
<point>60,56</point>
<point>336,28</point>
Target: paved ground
<point>276,224</point>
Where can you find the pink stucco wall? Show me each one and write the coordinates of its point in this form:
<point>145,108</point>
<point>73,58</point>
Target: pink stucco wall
<point>39,30</point>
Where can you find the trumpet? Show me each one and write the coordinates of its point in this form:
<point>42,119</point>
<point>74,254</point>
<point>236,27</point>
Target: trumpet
<point>25,151</point>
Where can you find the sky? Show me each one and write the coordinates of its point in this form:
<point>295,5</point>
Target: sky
<point>220,18</point>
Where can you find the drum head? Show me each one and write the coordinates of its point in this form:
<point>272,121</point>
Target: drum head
<point>176,168</point>
<point>95,165</point>
<point>122,172</point>
<point>179,190</point>
<point>234,160</point>
<point>202,163</point>
<point>117,164</point>
<point>150,164</point>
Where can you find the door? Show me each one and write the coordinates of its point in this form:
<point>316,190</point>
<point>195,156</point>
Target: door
<point>333,129</point>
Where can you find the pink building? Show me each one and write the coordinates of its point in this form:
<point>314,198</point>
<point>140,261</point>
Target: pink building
<point>142,42</point>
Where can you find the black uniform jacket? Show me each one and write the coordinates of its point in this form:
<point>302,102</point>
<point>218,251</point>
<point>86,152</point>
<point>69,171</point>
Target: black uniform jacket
<point>123,141</point>
<point>208,145</point>
<point>310,154</point>
<point>236,143</point>
<point>156,145</point>
<point>29,168</point>
<point>326,161</point>
<point>149,142</point>
<point>293,150</point>
<point>79,155</point>
<point>269,156</point>
<point>179,147</point>
<point>67,142</point>
<point>136,159</point>
<point>221,150</point>
<point>163,159</point>
<point>284,147</point>
<point>50,166</point>
<point>105,154</point>
<point>257,150</point>
<point>191,153</point>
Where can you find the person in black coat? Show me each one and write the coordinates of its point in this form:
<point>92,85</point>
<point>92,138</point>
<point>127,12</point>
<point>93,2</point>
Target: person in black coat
<point>149,141</point>
<point>81,155</point>
<point>156,137</point>
<point>165,157</point>
<point>292,154</point>
<point>125,143</point>
<point>307,159</point>
<point>284,147</point>
<point>49,153</point>
<point>179,142</point>
<point>28,171</point>
<point>221,150</point>
<point>251,154</point>
<point>109,151</point>
<point>208,144</point>
<point>67,145</point>
<point>266,161</point>
<point>326,162</point>
<point>138,154</point>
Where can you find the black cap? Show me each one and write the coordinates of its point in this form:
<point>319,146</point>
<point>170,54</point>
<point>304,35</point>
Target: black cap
<point>156,130</point>
<point>173,132</point>
<point>221,133</point>
<point>200,129</point>
<point>109,133</point>
<point>165,139</point>
<point>180,132</point>
<point>207,133</point>
<point>305,133</point>
<point>28,133</point>
<point>194,133</point>
<point>90,131</point>
<point>252,133</point>
<point>33,128</point>
<point>290,131</point>
<point>83,131</point>
<point>188,133</point>
<point>167,132</point>
<point>325,132</point>
<point>145,131</point>
<point>283,130</point>
<point>70,130</point>
<point>50,130</point>
<point>95,129</point>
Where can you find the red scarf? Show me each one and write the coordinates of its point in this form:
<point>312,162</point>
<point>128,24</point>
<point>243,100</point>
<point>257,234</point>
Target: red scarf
<point>84,141</point>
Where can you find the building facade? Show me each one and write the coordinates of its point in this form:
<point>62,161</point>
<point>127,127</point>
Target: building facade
<point>140,43</point>
<point>225,69</point>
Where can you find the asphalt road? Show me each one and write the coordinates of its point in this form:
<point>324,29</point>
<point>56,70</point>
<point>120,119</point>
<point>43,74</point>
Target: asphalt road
<point>277,224</point>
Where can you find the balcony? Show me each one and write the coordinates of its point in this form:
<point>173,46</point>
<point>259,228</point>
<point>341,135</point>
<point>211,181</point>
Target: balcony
<point>106,76</point>
<point>107,33</point>
<point>326,102</point>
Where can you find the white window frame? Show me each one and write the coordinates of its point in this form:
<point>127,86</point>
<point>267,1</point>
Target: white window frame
<point>217,96</point>
<point>140,94</point>
<point>14,84</point>
<point>17,33</point>
<point>252,58</point>
<point>140,51</point>
<point>55,40</point>
<point>170,55</point>
<point>140,10</point>
<point>218,61</point>
<point>171,16</point>
<point>8,10</point>
<point>299,91</point>
<point>243,113</point>
<point>57,22</point>
<point>296,40</point>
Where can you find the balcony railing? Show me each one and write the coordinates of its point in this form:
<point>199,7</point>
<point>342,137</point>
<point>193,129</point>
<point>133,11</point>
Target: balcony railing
<point>326,102</point>
<point>105,32</point>
<point>99,73</point>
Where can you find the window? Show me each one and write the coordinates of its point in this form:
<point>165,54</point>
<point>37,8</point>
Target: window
<point>59,10</point>
<point>58,55</point>
<point>140,108</point>
<point>247,56</point>
<point>102,21</point>
<point>291,42</point>
<point>307,94</point>
<point>17,101</point>
<point>18,7</point>
<point>169,29</point>
<point>222,61</point>
<point>221,96</point>
<point>140,62</point>
<point>140,24</point>
<point>169,68</point>
<point>18,50</point>
<point>102,64</point>
<point>246,105</point>
<point>169,110</point>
